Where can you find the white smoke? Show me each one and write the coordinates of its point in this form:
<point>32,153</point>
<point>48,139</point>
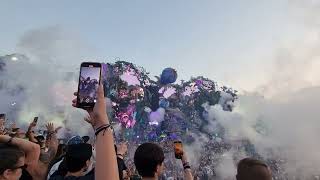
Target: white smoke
<point>48,75</point>
<point>195,149</point>
<point>283,123</point>
<point>291,128</point>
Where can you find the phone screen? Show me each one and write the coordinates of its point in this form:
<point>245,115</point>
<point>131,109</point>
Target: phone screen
<point>89,80</point>
<point>178,149</point>
<point>3,117</point>
<point>35,119</point>
<point>2,121</point>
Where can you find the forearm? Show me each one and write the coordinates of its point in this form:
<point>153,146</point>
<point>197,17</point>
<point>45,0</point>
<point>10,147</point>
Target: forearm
<point>30,128</point>
<point>52,145</point>
<point>187,169</point>
<point>188,174</point>
<point>31,150</point>
<point>106,157</point>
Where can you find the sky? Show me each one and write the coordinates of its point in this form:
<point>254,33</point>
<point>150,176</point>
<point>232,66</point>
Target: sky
<point>93,73</point>
<point>233,42</point>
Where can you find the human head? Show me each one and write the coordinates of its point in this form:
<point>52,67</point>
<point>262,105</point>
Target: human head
<point>11,163</point>
<point>78,157</point>
<point>252,169</point>
<point>148,160</point>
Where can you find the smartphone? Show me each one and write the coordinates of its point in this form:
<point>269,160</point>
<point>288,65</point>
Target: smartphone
<point>178,149</point>
<point>89,80</point>
<point>35,119</point>
<point>2,122</point>
<point>3,117</point>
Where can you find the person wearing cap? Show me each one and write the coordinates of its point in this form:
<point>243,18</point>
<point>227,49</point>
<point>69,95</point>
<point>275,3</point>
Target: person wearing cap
<point>77,161</point>
<point>60,168</point>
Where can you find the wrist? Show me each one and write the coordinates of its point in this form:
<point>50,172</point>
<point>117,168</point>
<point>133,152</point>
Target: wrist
<point>103,128</point>
<point>184,160</point>
<point>99,124</point>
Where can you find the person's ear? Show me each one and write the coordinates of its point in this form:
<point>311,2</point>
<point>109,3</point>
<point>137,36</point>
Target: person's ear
<point>160,169</point>
<point>7,174</point>
<point>86,167</point>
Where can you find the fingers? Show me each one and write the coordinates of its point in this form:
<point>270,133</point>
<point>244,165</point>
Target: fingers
<point>74,101</point>
<point>100,92</point>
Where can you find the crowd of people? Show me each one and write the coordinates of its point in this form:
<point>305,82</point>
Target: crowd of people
<point>26,155</point>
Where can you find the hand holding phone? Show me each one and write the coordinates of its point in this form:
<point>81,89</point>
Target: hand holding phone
<point>89,80</point>
<point>178,149</point>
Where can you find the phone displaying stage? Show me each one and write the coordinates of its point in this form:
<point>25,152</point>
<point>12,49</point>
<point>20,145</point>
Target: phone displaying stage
<point>89,79</point>
<point>178,149</point>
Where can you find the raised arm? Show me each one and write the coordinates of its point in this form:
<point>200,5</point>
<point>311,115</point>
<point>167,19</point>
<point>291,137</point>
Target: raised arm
<point>31,150</point>
<point>52,140</point>
<point>186,166</point>
<point>106,163</point>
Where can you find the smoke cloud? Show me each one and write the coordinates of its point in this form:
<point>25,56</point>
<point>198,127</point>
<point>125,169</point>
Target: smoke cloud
<point>42,82</point>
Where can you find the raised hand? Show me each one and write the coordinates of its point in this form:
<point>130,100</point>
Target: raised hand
<point>50,127</point>
<point>98,115</point>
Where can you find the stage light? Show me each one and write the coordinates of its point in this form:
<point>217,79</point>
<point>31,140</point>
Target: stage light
<point>13,58</point>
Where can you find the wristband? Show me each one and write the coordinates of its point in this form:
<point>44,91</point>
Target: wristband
<point>186,167</point>
<point>101,128</point>
<point>185,164</point>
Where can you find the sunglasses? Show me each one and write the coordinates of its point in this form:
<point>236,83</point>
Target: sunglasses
<point>20,167</point>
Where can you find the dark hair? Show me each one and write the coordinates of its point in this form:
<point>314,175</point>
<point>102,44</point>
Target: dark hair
<point>77,155</point>
<point>75,164</point>
<point>147,157</point>
<point>9,156</point>
<point>247,169</point>
<point>61,150</point>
